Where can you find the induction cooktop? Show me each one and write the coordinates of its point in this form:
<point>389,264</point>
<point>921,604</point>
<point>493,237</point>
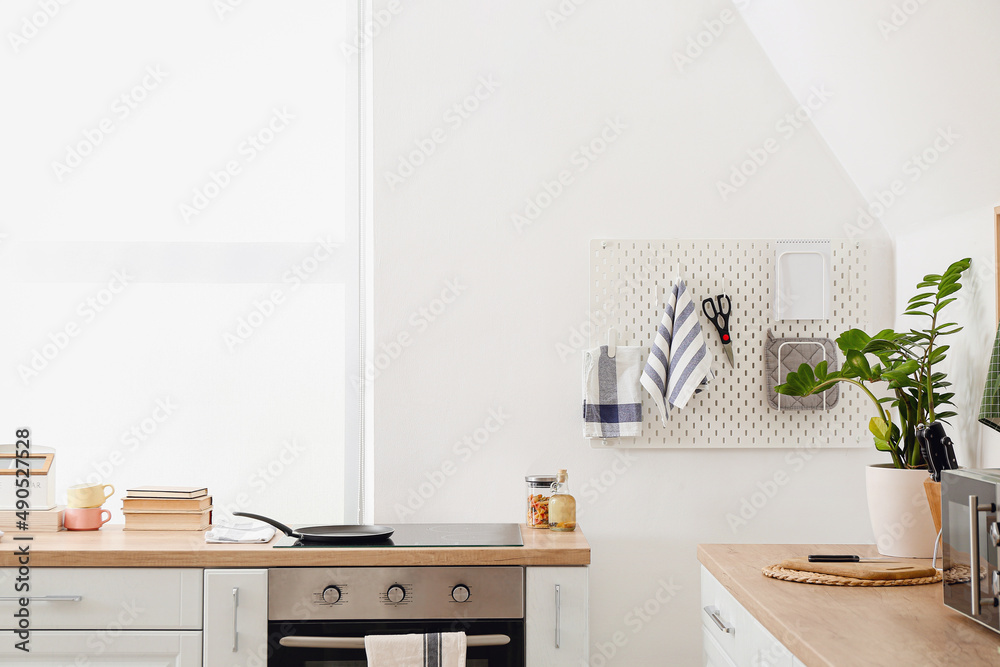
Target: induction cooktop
<point>429,535</point>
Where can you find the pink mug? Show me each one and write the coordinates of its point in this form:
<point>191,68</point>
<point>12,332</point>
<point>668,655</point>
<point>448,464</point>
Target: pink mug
<point>85,518</point>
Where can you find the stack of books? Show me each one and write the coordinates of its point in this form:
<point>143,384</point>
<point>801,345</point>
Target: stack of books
<point>167,508</point>
<point>38,521</point>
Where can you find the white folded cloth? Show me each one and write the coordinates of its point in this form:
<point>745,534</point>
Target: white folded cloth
<point>679,365</point>
<point>238,531</point>
<point>612,400</point>
<point>437,649</point>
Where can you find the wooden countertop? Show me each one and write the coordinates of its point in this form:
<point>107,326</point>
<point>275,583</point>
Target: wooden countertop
<point>842,626</point>
<point>113,547</point>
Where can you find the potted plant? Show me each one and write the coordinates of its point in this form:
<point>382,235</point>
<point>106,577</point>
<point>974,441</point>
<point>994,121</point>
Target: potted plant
<point>904,364</point>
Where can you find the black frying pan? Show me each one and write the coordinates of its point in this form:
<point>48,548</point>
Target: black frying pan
<point>328,534</point>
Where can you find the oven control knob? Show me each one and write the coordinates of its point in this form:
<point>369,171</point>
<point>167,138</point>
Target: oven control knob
<point>995,533</point>
<point>395,593</point>
<point>460,593</point>
<point>331,594</point>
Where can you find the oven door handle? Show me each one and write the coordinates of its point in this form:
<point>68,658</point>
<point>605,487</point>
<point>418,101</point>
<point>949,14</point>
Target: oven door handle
<point>359,642</point>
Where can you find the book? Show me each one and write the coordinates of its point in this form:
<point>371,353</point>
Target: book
<point>167,492</point>
<point>191,520</point>
<point>165,504</point>
<point>39,521</point>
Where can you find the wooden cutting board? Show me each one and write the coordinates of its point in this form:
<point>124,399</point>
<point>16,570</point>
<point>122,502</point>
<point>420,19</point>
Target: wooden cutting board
<point>887,569</point>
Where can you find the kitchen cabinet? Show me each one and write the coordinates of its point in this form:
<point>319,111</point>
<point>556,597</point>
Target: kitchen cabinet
<point>67,598</point>
<point>556,616</point>
<point>732,637</point>
<point>141,617</point>
<point>105,649</point>
<point>235,617</point>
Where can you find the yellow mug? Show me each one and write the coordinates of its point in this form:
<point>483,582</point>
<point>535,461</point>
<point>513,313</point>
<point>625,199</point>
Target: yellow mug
<point>88,495</point>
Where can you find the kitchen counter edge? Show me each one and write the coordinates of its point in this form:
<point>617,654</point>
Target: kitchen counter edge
<point>113,547</point>
<point>840,626</point>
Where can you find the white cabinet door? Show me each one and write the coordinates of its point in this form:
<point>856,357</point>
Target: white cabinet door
<point>88,598</point>
<point>714,655</point>
<point>235,617</point>
<point>556,616</point>
<point>53,648</point>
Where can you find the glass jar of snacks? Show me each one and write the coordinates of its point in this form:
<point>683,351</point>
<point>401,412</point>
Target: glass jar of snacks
<point>539,489</point>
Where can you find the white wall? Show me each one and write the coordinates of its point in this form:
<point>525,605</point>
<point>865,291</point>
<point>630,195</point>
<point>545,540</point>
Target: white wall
<point>494,346</point>
<point>908,75</point>
<point>929,249</point>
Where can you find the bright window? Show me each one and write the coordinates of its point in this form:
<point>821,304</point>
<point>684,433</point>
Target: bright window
<point>179,259</point>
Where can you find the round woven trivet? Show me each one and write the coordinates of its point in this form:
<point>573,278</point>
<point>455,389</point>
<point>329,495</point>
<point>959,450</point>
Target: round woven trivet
<point>776,572</point>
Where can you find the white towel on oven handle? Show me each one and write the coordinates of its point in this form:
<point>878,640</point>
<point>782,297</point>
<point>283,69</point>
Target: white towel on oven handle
<point>436,649</point>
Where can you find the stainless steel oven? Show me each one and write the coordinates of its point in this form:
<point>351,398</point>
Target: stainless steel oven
<point>971,537</point>
<point>319,617</point>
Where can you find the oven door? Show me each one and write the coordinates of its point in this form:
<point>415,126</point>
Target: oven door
<point>969,546</point>
<point>304,640</point>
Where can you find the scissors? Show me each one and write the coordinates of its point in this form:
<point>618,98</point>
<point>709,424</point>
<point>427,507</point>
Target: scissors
<point>719,315</point>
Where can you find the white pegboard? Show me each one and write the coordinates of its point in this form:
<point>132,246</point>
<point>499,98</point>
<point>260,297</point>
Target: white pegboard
<point>629,280</point>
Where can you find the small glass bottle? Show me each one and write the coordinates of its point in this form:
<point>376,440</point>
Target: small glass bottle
<point>562,506</point>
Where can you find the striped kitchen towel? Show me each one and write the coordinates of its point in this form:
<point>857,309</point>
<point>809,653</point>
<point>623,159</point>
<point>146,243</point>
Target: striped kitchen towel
<point>435,649</point>
<point>679,365</point>
<point>612,400</point>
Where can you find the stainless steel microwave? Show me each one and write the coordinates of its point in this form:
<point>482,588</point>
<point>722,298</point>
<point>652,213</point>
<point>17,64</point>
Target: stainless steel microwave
<point>971,540</point>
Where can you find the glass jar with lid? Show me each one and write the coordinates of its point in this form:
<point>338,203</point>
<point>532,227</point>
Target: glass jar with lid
<point>539,490</point>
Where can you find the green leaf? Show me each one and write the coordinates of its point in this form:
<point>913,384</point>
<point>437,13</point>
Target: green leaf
<point>923,295</point>
<point>880,345</point>
<point>853,339</point>
<point>820,371</point>
<point>883,445</point>
<point>900,372</point>
<point>857,365</point>
<point>939,352</point>
<point>944,303</point>
<point>800,383</point>
<point>879,428</point>
<point>919,304</point>
<point>933,277</point>
<point>927,283</point>
<point>945,290</point>
<point>945,415</point>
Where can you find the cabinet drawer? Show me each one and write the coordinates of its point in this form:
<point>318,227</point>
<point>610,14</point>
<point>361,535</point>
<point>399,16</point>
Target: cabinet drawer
<point>113,599</point>
<point>714,655</point>
<point>721,615</point>
<point>127,649</point>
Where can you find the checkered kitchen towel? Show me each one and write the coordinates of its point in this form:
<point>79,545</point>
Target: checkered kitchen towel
<point>989,413</point>
<point>436,649</point>
<point>612,402</point>
<point>679,365</point>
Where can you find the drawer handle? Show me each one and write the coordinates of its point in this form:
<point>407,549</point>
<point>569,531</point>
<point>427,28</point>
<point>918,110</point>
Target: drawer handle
<point>236,606</point>
<point>713,613</point>
<point>558,616</point>
<point>44,598</point>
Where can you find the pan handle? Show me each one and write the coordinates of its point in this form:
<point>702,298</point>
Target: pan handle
<point>277,524</point>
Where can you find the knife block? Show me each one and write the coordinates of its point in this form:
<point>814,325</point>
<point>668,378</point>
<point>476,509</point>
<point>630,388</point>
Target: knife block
<point>933,491</point>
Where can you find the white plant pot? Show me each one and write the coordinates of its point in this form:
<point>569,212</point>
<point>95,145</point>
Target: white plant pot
<point>897,506</point>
